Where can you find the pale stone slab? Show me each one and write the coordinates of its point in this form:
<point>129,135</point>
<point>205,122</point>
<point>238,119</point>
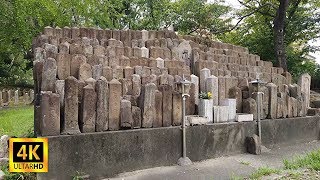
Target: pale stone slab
<point>196,120</point>
<point>205,109</point>
<point>232,106</point>
<point>244,117</point>
<point>220,114</point>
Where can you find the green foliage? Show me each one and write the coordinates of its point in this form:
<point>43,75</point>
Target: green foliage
<point>256,32</point>
<point>22,20</point>
<point>200,17</point>
<point>263,171</point>
<point>311,161</point>
<point>15,176</point>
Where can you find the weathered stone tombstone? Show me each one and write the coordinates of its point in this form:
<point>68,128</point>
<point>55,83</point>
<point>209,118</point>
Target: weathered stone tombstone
<point>304,82</point>
<point>126,114</point>
<point>50,114</point>
<point>114,109</point>
<point>49,74</point>
<point>176,108</point>
<point>205,109</point>
<point>16,97</point>
<point>212,85</point>
<point>26,98</point>
<point>102,118</point>
<point>70,122</point>
<point>147,104</point>
<point>232,106</point>
<point>166,104</point>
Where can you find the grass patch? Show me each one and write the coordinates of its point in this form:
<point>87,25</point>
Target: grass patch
<point>310,161</point>
<point>245,163</point>
<point>16,176</point>
<point>263,171</point>
<point>16,121</point>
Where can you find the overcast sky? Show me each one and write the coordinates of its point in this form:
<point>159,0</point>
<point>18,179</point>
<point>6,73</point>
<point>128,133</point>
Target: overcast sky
<point>237,5</point>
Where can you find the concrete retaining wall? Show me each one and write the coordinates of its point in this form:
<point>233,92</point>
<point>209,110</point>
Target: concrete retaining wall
<point>107,154</point>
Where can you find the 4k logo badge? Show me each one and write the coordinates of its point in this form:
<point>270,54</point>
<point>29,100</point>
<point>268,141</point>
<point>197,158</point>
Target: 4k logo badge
<point>28,155</point>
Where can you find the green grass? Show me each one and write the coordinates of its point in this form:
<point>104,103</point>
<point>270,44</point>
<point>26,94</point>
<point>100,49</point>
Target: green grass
<point>263,171</point>
<point>16,176</point>
<point>310,161</point>
<point>16,121</point>
<point>245,163</point>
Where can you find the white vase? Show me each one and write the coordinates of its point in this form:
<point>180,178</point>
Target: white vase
<point>206,108</point>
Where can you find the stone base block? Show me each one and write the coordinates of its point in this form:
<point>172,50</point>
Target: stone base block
<point>313,112</point>
<point>196,120</point>
<point>244,117</point>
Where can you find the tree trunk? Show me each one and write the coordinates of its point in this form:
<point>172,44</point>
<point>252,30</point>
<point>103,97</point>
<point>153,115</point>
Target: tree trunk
<point>279,33</point>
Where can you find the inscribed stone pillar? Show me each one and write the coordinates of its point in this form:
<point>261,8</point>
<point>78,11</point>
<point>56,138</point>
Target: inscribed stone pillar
<point>49,74</point>
<point>50,114</point>
<point>126,114</point>
<point>85,72</point>
<point>76,61</point>
<point>136,85</point>
<point>145,52</point>
<point>236,93</point>
<point>250,106</point>
<point>204,74</point>
<point>177,108</point>
<point>136,115</point>
<point>212,85</point>
<point>63,65</point>
<point>70,123</point>
<point>147,104</point>
<point>114,104</point>
<point>304,82</point>
<point>87,124</point>
<point>16,97</point>
<point>102,105</point>
<point>195,81</point>
<point>96,71</point>
<point>221,88</point>
<point>166,104</point>
<point>158,119</point>
<point>272,88</point>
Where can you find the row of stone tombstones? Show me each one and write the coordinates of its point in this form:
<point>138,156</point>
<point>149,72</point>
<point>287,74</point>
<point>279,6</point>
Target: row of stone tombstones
<point>99,105</point>
<point>15,97</point>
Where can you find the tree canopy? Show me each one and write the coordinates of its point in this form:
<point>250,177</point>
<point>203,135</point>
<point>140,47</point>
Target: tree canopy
<point>22,20</point>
